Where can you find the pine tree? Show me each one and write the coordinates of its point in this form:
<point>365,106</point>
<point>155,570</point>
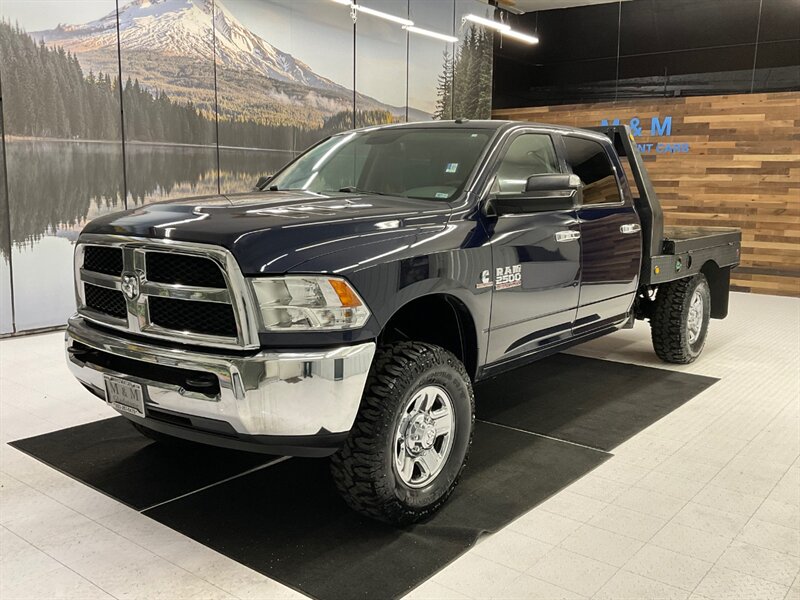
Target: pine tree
<point>444,89</point>
<point>483,89</point>
<point>462,71</point>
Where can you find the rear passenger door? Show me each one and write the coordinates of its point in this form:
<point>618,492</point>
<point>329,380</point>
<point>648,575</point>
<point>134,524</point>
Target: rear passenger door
<point>611,249</point>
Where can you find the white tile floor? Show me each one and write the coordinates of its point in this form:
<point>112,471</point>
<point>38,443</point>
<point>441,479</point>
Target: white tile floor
<point>704,504</point>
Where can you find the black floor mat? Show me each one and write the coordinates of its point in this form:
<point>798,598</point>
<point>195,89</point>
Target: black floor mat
<point>593,402</point>
<point>288,522</point>
<point>114,458</point>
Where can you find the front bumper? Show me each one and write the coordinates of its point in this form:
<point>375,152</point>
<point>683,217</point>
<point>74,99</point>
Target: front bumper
<point>300,403</point>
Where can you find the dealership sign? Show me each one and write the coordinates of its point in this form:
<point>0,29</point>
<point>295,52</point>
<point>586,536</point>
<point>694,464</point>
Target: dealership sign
<point>660,127</point>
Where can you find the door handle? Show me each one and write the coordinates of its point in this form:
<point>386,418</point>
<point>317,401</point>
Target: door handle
<point>567,236</point>
<point>630,228</point>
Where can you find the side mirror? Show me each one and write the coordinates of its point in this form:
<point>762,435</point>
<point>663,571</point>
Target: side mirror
<point>262,181</point>
<point>543,193</point>
<point>550,182</point>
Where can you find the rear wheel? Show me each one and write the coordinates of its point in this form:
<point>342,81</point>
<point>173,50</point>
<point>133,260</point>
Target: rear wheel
<point>679,324</point>
<point>409,443</point>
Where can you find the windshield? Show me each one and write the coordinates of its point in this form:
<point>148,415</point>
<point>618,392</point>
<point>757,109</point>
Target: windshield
<point>431,164</point>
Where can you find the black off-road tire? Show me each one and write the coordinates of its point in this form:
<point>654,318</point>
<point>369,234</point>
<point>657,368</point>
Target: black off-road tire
<point>669,321</point>
<point>364,468</point>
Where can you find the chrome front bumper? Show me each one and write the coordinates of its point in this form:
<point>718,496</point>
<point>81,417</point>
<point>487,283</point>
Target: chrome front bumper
<point>274,394</point>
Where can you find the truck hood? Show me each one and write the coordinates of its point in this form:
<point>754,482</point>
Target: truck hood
<point>271,232</point>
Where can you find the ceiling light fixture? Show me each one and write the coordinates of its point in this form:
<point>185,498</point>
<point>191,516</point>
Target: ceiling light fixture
<point>487,22</point>
<point>433,34</point>
<point>408,24</point>
<point>523,37</point>
<point>503,28</point>
<point>383,15</point>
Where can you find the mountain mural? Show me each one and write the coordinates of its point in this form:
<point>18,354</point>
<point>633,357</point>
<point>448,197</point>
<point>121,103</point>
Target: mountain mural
<point>169,46</point>
<point>209,106</point>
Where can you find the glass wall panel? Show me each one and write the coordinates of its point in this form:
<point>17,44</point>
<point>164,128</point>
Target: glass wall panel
<point>777,65</point>
<point>6,311</point>
<point>167,58</point>
<point>430,61</point>
<point>284,81</point>
<point>381,66</point>
<point>323,37</point>
<point>63,144</point>
<point>668,48</point>
<point>472,65</point>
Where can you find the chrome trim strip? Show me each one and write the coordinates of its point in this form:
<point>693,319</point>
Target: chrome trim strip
<point>155,330</point>
<point>266,393</point>
<point>111,282</point>
<point>185,292</point>
<point>237,293</point>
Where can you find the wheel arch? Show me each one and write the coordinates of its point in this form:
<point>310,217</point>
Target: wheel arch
<point>438,318</point>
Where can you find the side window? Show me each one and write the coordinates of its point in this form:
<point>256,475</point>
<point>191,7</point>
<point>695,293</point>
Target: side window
<point>590,162</point>
<point>529,154</point>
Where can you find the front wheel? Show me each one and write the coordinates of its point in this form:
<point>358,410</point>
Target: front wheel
<point>409,443</point>
<point>679,324</point>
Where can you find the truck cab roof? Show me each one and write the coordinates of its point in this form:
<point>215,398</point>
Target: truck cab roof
<point>495,124</point>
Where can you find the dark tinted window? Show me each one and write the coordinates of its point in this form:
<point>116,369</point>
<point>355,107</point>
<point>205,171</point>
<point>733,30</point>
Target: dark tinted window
<point>590,162</point>
<point>529,154</point>
<point>432,164</point>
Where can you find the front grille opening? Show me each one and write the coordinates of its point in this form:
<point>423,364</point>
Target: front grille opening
<point>166,267</point>
<point>201,382</point>
<point>103,259</point>
<point>208,318</point>
<point>106,301</point>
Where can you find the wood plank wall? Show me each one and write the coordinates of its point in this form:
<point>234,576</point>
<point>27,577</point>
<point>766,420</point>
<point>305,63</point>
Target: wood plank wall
<point>742,169</point>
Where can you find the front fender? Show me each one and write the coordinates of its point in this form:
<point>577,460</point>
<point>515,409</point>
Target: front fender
<point>392,273</point>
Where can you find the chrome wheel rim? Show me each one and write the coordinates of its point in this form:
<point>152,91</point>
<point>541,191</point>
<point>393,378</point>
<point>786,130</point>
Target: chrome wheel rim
<point>694,322</point>
<point>423,438</point>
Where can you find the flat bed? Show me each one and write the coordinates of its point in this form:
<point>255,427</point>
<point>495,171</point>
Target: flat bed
<point>681,239</point>
<point>674,252</point>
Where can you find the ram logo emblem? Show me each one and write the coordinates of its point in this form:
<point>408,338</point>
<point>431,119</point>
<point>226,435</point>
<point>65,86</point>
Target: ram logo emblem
<point>130,286</point>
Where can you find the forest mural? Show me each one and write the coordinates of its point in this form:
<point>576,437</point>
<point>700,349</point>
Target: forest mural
<point>466,76</point>
<point>110,105</point>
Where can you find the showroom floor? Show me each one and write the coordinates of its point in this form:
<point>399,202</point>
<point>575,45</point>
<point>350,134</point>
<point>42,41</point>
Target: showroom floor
<point>705,503</point>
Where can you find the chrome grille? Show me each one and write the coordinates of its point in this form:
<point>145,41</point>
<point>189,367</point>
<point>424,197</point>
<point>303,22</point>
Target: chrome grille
<point>103,259</point>
<point>183,270</point>
<point>104,300</point>
<point>192,293</point>
<point>213,318</point>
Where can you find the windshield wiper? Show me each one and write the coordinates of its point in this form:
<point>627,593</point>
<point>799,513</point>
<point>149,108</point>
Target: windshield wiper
<point>351,189</point>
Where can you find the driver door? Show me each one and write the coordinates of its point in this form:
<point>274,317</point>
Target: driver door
<point>536,254</point>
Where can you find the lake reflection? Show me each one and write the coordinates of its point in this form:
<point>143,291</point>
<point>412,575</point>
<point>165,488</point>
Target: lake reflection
<point>240,169</point>
<point>56,187</point>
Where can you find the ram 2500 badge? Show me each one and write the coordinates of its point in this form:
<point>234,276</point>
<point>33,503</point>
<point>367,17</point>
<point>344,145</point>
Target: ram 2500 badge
<point>346,307</point>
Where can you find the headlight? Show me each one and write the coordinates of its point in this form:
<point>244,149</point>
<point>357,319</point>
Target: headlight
<point>300,302</point>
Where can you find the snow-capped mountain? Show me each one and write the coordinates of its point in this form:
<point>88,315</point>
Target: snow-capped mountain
<point>183,28</point>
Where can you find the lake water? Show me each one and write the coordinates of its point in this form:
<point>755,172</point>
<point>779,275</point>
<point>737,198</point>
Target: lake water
<point>56,187</point>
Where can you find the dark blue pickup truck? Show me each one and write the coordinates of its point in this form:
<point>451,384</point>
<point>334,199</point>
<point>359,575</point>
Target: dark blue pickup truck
<point>347,305</point>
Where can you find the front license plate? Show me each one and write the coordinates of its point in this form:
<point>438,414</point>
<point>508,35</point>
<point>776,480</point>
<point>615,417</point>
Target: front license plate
<point>125,395</point>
